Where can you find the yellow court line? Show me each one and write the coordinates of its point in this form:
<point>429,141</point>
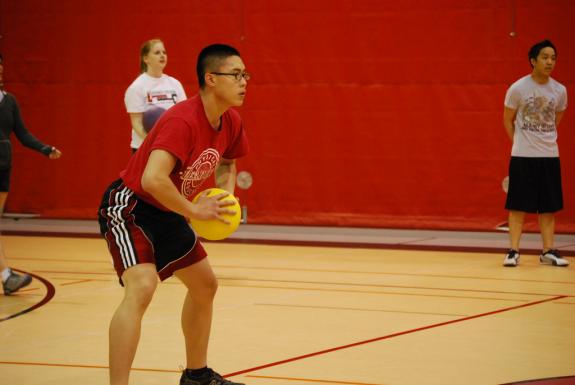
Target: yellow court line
<point>83,366</point>
<point>75,282</point>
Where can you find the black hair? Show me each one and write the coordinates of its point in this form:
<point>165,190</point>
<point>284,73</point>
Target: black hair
<point>536,49</point>
<point>211,58</point>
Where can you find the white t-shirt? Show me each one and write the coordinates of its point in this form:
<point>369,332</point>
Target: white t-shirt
<point>536,104</point>
<point>152,96</point>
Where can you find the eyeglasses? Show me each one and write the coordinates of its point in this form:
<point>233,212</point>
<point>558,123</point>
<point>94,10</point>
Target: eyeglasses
<point>237,75</point>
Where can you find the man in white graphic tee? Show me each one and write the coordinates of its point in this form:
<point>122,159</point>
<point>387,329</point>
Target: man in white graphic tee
<point>534,105</point>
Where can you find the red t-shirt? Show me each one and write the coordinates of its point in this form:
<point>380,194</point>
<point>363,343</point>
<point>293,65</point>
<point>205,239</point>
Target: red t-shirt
<point>185,132</point>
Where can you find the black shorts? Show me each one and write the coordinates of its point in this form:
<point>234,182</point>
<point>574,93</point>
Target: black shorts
<point>5,180</point>
<point>138,232</point>
<point>534,185</point>
<point>5,164</point>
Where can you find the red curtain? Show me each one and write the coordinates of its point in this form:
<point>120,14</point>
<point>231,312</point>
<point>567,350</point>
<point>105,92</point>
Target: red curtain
<point>364,113</point>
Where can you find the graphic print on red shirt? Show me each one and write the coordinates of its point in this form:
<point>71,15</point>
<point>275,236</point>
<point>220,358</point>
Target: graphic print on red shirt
<point>184,131</point>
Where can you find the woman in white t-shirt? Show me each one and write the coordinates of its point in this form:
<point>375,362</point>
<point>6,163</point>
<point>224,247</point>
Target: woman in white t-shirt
<point>152,93</point>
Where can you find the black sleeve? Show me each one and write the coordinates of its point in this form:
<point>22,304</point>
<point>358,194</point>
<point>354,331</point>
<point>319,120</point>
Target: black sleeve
<point>24,136</point>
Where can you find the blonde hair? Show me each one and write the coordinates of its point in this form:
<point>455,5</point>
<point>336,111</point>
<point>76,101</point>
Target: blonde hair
<point>145,50</point>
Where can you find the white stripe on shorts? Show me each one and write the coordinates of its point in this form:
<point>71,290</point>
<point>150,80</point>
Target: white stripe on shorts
<point>118,226</point>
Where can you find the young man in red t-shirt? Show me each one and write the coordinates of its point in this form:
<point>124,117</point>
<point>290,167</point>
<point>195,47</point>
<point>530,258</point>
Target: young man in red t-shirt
<point>144,214</point>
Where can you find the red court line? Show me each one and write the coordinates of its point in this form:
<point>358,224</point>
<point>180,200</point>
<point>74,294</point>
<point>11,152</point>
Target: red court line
<point>62,260</point>
<point>277,363</point>
<point>391,293</point>
<point>384,246</point>
<point>372,285</point>
<point>50,291</point>
<point>388,273</point>
<point>566,380</point>
<point>334,244</point>
<point>325,283</point>
<point>310,380</point>
<point>77,278</point>
<point>111,272</point>
<point>391,336</point>
<point>325,271</point>
<point>76,272</point>
<point>51,234</point>
<point>355,309</point>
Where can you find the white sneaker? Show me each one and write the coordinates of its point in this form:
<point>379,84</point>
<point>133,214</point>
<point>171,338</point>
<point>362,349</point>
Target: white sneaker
<point>552,257</point>
<point>511,258</point>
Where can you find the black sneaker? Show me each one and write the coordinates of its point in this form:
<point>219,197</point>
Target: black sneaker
<point>15,282</point>
<point>552,257</point>
<point>208,378</point>
<point>511,258</point>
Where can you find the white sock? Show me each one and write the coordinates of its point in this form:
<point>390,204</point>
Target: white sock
<point>6,273</point>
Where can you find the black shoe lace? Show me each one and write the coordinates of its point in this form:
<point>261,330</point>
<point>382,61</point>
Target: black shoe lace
<point>217,379</point>
<point>511,253</point>
<point>553,252</point>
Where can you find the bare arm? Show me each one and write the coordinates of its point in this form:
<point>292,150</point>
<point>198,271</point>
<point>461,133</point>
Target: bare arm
<point>558,117</point>
<point>137,121</point>
<point>156,181</point>
<point>226,175</point>
<point>509,115</point>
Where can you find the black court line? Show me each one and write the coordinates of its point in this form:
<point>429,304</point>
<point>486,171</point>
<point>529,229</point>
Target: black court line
<point>50,292</point>
<point>288,360</point>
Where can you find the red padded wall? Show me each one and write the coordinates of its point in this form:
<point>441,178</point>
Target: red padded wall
<point>364,113</point>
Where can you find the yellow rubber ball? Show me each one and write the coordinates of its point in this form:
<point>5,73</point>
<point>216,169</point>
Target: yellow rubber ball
<point>214,229</point>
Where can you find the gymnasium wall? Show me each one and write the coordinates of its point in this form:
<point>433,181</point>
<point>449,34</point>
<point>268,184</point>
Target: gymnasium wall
<point>360,113</point>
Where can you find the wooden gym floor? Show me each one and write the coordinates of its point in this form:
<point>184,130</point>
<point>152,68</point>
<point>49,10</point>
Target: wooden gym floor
<point>299,314</point>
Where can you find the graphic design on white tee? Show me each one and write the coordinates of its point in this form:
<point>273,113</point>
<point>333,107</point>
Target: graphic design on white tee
<point>537,106</point>
<point>157,96</point>
<point>151,96</point>
<point>538,114</point>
